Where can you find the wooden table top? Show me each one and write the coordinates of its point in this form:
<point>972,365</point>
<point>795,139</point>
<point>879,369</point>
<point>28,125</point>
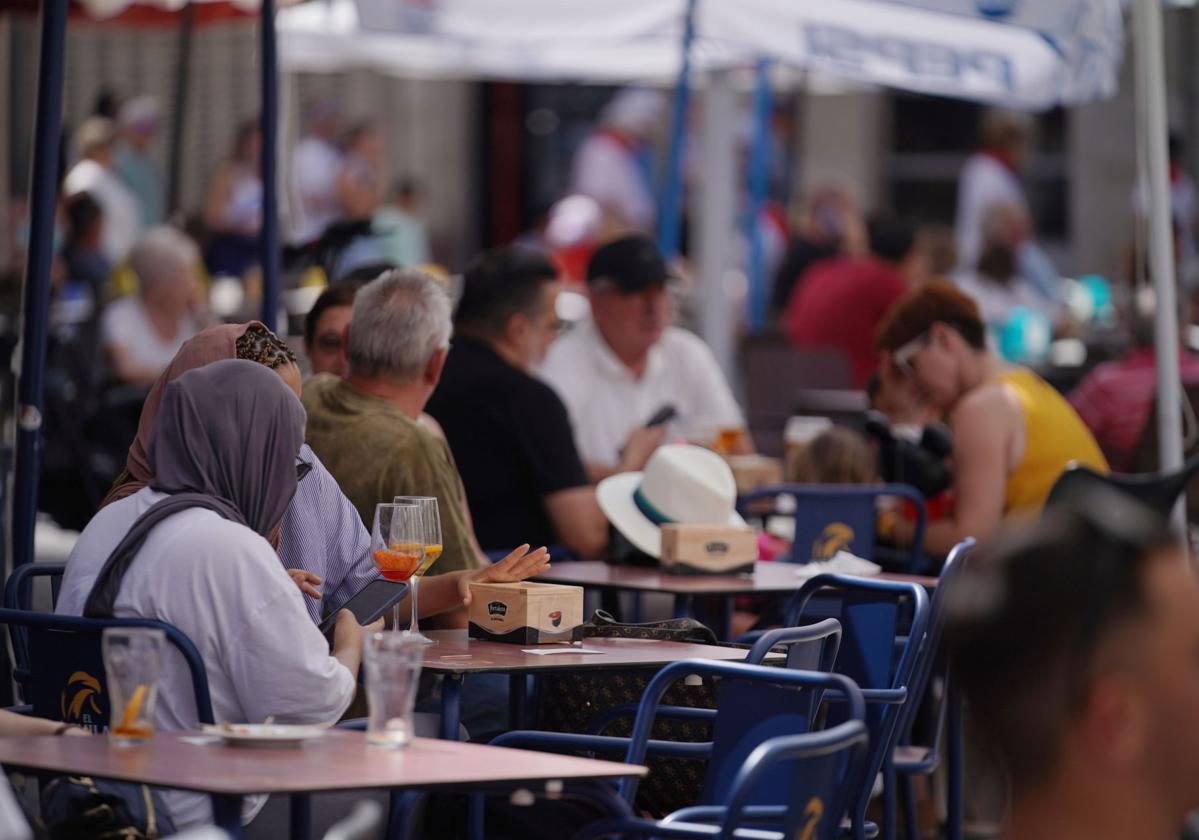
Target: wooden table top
<point>456,654</point>
<point>341,760</point>
<point>766,577</point>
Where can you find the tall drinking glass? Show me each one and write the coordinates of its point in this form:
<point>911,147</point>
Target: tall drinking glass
<point>392,664</point>
<point>431,530</point>
<point>397,543</point>
<point>132,666</point>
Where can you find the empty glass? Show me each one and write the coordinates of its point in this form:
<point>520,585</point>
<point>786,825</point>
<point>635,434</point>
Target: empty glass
<point>430,529</point>
<point>397,543</point>
<point>132,665</point>
<point>392,664</point>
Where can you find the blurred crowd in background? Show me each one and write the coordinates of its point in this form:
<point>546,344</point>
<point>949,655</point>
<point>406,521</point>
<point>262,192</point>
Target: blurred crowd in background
<point>132,283</point>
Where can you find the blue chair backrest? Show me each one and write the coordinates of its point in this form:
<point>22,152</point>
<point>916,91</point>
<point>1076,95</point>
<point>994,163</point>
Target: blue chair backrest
<point>842,517</point>
<point>875,616</point>
<point>18,590</point>
<point>812,647</point>
<point>754,704</point>
<point>66,680</point>
<point>930,659</point>
<point>18,595</point>
<point>821,769</point>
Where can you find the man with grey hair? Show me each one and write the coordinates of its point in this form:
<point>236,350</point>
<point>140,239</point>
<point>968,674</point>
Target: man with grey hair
<point>143,332</point>
<point>364,427</point>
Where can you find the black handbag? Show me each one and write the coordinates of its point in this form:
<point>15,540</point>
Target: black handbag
<point>669,630</point>
<point>82,808</point>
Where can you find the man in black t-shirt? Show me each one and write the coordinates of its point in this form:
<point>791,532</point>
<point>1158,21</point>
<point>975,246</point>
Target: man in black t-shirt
<point>509,431</point>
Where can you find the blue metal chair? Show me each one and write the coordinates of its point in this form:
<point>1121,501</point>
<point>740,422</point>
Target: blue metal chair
<point>914,760</point>
<point>884,624</point>
<point>755,704</point>
<point>821,766</point>
<point>65,678</point>
<point>829,518</point>
<point>18,589</point>
<point>812,647</point>
<point>18,595</point>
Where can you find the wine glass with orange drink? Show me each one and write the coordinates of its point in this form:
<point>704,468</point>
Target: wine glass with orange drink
<point>430,529</point>
<point>397,545</point>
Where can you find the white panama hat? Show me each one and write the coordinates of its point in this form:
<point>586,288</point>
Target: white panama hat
<point>681,484</point>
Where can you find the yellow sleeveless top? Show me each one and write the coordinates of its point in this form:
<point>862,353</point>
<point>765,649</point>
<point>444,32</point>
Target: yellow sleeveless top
<point>1054,436</point>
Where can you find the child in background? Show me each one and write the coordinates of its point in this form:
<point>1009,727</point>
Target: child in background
<point>836,456</point>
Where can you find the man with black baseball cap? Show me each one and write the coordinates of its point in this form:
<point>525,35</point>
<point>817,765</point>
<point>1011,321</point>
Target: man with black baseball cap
<point>627,365</point>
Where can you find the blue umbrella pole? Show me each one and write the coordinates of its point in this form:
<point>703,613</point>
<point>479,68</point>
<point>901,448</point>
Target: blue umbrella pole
<point>672,189</point>
<point>43,197</point>
<point>759,183</point>
<point>270,180</point>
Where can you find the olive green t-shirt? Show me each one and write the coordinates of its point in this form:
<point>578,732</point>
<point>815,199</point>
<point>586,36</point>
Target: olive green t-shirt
<point>376,453</point>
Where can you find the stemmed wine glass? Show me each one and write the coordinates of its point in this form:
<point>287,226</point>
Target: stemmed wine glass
<point>430,531</point>
<point>397,543</point>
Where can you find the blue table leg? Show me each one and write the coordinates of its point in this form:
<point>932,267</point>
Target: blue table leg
<point>476,824</point>
<point>518,700</point>
<point>301,816</point>
<point>728,607</point>
<point>890,804</point>
<point>955,764</point>
<point>405,810</point>
<point>682,606</point>
<point>451,706</point>
<point>226,813</point>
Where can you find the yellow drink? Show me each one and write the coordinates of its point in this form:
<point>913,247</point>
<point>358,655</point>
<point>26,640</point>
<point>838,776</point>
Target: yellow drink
<point>432,552</point>
<point>132,727</point>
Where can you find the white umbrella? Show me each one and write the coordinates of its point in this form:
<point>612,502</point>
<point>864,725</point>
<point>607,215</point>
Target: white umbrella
<point>1039,55</point>
<point>1031,55</point>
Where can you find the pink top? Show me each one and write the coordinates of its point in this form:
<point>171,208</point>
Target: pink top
<point>1115,399</point>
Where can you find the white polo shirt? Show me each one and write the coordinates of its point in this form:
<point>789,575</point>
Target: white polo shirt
<point>606,402</point>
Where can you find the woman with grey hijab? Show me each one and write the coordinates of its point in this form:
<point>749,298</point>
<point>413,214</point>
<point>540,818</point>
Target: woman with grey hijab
<point>191,549</point>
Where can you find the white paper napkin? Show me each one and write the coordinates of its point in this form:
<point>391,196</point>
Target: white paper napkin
<point>547,651</point>
<point>842,563</point>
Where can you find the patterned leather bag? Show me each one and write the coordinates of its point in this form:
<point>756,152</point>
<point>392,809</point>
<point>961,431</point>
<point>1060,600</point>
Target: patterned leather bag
<point>671,630</point>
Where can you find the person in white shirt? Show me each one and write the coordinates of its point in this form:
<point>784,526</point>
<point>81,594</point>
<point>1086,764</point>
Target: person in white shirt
<point>991,176</point>
<point>626,363</point>
<point>611,166</point>
<point>143,332</point>
<point>315,168</point>
<point>191,549</point>
<point>96,174</point>
<point>995,281</point>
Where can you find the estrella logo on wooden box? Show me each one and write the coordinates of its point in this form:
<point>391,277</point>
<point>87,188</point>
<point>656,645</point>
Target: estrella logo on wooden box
<point>526,613</point>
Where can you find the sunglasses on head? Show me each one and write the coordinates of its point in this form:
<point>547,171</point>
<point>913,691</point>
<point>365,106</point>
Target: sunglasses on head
<point>904,356</point>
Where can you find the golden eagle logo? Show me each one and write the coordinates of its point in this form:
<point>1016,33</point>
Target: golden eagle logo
<point>813,812</point>
<point>80,694</point>
<point>836,536</point>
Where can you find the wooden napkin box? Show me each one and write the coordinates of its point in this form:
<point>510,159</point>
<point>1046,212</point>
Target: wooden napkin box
<point>753,472</point>
<point>526,613</point>
<point>708,549</point>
